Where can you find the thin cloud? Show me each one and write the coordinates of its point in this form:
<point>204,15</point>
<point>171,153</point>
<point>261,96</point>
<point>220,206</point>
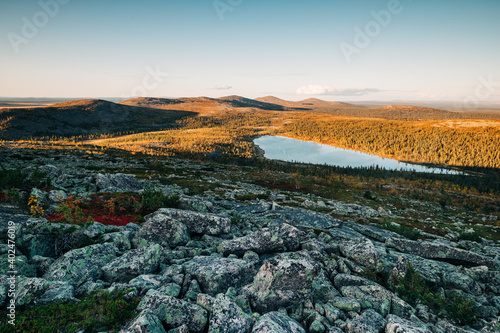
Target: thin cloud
<point>334,91</point>
<point>223,87</point>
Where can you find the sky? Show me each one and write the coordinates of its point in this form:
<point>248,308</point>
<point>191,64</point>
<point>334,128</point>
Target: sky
<point>354,50</point>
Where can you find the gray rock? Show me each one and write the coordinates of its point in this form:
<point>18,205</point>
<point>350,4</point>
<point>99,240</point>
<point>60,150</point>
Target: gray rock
<point>41,264</point>
<point>89,287</point>
<point>29,290</point>
<point>283,283</point>
<point>205,301</point>
<point>58,292</point>
<point>162,230</point>
<point>174,312</point>
<point>117,183</point>
<point>52,171</point>
<point>215,275</point>
<point>197,204</point>
<point>399,325</point>
<point>362,252</point>
<point>299,217</point>
<point>370,297</point>
<point>442,252</point>
<point>121,239</point>
<point>347,304</point>
<point>227,317</point>
<point>132,264</point>
<point>181,329</point>
<point>56,196</point>
<point>94,230</point>
<point>199,223</point>
<point>347,280</point>
<point>22,266</point>
<point>277,322</point>
<point>368,322</point>
<point>81,265</point>
<point>170,289</point>
<point>146,322</point>
<point>280,238</point>
<point>378,234</point>
<point>146,281</point>
<point>40,237</point>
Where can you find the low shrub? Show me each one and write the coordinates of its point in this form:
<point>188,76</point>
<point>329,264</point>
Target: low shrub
<point>97,312</point>
<point>153,200</point>
<point>36,208</point>
<point>112,208</point>
<point>414,289</point>
<point>470,236</point>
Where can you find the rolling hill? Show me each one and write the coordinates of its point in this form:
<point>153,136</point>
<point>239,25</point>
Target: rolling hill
<point>83,117</point>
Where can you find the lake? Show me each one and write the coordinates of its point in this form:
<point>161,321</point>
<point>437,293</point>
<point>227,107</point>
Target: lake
<point>292,150</point>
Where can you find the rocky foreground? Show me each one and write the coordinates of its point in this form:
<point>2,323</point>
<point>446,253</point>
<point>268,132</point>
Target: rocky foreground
<point>220,265</point>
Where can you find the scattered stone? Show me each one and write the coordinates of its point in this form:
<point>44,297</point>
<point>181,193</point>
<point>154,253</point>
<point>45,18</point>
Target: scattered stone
<point>132,264</point>
<point>368,322</point>
<point>117,183</point>
<point>174,312</point>
<point>163,230</point>
<point>283,283</point>
<point>277,322</point>
<point>227,317</point>
<point>146,322</point>
<point>280,238</point>
<point>362,252</point>
<point>215,275</point>
<point>81,265</point>
<point>399,325</point>
<point>434,251</point>
<point>199,223</point>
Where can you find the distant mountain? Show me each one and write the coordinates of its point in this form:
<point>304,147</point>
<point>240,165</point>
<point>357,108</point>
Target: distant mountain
<point>205,104</point>
<point>82,117</point>
<point>306,104</point>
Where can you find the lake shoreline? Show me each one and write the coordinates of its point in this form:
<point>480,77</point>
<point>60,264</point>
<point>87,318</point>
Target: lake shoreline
<point>382,162</point>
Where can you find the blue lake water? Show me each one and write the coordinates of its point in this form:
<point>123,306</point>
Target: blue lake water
<point>292,150</point>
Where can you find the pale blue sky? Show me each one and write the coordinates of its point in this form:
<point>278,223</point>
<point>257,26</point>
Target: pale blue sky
<point>292,49</point>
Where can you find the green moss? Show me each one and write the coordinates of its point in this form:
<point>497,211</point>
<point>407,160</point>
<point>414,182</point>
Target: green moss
<point>96,312</point>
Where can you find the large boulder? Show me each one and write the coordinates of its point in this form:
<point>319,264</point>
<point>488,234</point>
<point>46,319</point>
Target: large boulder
<point>36,291</point>
<point>117,183</point>
<point>277,322</point>
<point>284,283</point>
<point>198,223</point>
<point>369,294</point>
<point>361,251</point>
<point>145,322</point>
<point>400,325</point>
<point>40,237</point>
<point>300,217</point>
<point>174,312</point>
<point>368,322</point>
<point>133,263</point>
<point>81,265</point>
<point>162,230</point>
<point>280,238</point>
<point>215,275</point>
<point>22,265</point>
<point>227,317</point>
<point>442,252</point>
